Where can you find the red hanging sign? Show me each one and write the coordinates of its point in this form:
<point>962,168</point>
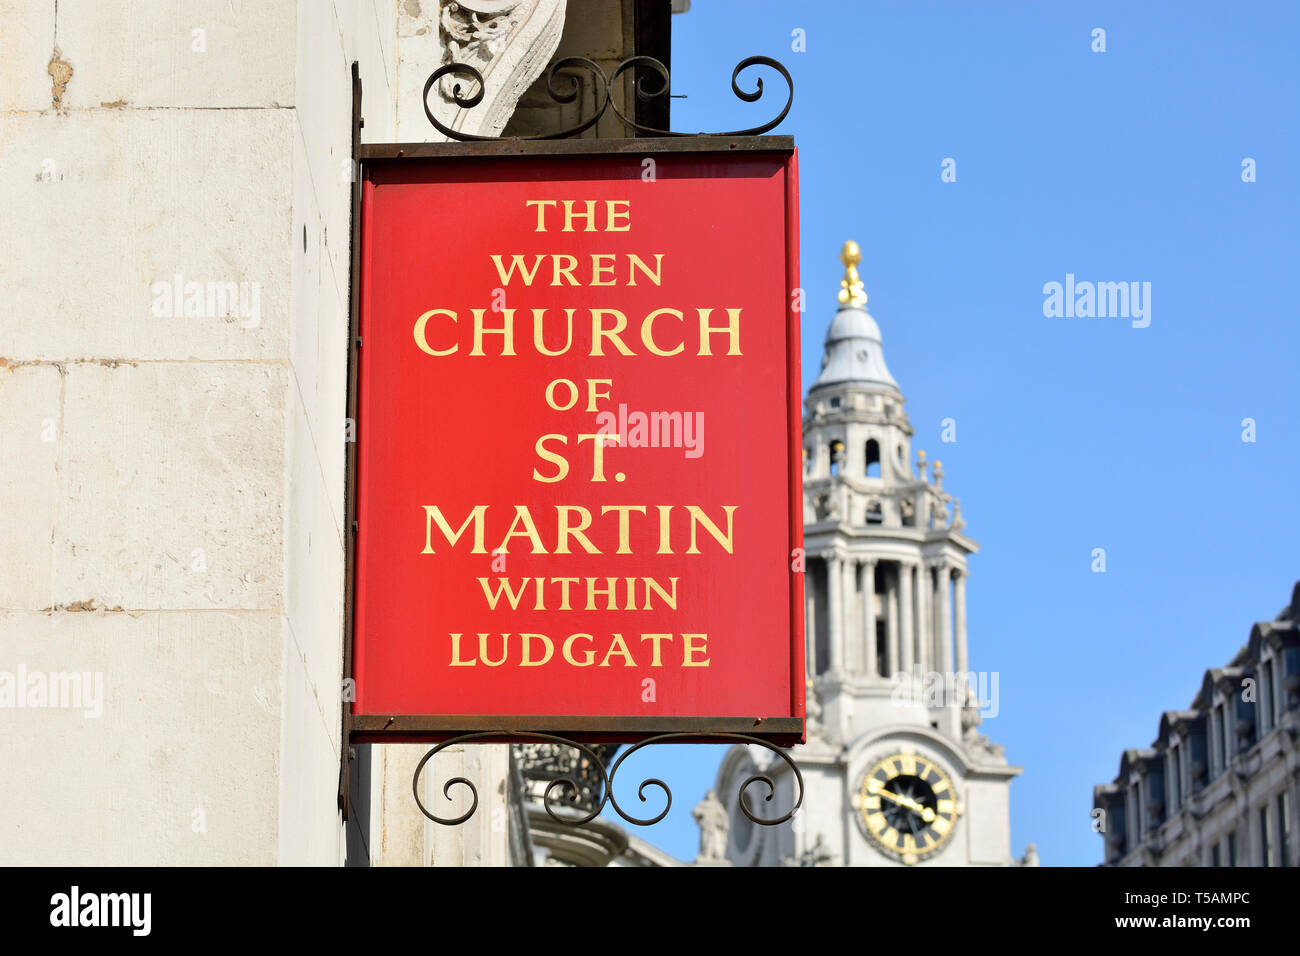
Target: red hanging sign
<point>578,463</point>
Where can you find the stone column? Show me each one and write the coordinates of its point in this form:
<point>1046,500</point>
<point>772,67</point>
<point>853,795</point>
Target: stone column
<point>480,840</point>
<point>960,586</point>
<point>810,625</point>
<point>869,617</point>
<point>835,612</point>
<point>397,832</point>
<point>903,597</point>
<point>402,836</point>
<point>924,611</point>
<point>849,654</point>
<point>944,580</point>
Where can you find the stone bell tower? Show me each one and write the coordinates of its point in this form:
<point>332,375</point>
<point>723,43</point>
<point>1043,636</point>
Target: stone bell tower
<point>895,768</point>
<point>887,575</point>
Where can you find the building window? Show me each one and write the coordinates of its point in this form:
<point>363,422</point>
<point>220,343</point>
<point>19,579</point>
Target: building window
<point>1180,771</point>
<point>1175,775</point>
<point>1265,706</point>
<point>1265,848</point>
<point>1277,691</point>
<point>1284,827</point>
<point>1232,849</point>
<point>1225,715</point>
<point>1290,668</point>
<point>1217,755</point>
<point>1216,858</point>
<point>873,458</point>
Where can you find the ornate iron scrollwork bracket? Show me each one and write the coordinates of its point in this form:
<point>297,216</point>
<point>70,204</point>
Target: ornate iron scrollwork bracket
<point>570,786</point>
<point>604,102</point>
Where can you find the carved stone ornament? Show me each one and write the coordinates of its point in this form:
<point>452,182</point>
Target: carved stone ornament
<point>711,815</point>
<point>476,31</point>
<point>812,706</point>
<point>509,42</point>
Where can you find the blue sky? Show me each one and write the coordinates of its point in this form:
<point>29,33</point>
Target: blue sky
<point>1072,433</point>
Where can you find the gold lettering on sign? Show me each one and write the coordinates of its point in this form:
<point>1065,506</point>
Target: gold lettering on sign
<point>497,327</point>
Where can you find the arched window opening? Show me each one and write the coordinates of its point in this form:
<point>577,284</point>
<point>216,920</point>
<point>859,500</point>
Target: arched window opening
<point>873,458</point>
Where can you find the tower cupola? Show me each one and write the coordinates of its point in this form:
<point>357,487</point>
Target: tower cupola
<point>854,354</point>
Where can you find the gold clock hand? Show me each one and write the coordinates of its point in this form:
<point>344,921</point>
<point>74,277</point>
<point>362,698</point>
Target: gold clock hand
<point>896,798</point>
<point>924,812</point>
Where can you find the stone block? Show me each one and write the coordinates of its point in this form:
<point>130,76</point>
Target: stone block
<point>180,764</point>
<point>173,486</point>
<point>314,585</point>
<point>324,113</point>
<point>307,252</point>
<point>30,431</point>
<point>107,208</point>
<point>28,31</point>
<point>201,53</point>
<point>331,393</point>
<point>310,827</point>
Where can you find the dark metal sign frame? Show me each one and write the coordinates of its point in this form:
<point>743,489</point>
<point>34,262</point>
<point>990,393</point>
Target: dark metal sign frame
<point>577,730</point>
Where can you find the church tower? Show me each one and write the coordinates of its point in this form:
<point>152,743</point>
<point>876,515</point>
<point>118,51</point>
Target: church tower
<point>895,770</point>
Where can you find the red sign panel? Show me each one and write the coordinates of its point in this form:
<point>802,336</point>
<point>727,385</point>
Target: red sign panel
<point>578,462</point>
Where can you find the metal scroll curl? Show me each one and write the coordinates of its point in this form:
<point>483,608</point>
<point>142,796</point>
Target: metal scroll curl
<point>663,87</point>
<point>572,787</point>
<point>660,85</point>
<point>555,786</point>
<point>469,101</point>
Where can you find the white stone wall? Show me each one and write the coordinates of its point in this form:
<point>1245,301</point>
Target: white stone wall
<point>173,484</point>
<point>330,36</point>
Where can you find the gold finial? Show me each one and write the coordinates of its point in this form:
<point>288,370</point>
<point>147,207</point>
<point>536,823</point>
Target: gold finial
<point>851,292</point>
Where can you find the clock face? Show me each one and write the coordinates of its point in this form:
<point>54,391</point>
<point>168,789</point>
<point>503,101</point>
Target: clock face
<point>908,806</point>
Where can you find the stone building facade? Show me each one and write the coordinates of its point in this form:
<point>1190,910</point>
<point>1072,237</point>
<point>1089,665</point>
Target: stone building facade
<point>1220,783</point>
<point>895,768</point>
